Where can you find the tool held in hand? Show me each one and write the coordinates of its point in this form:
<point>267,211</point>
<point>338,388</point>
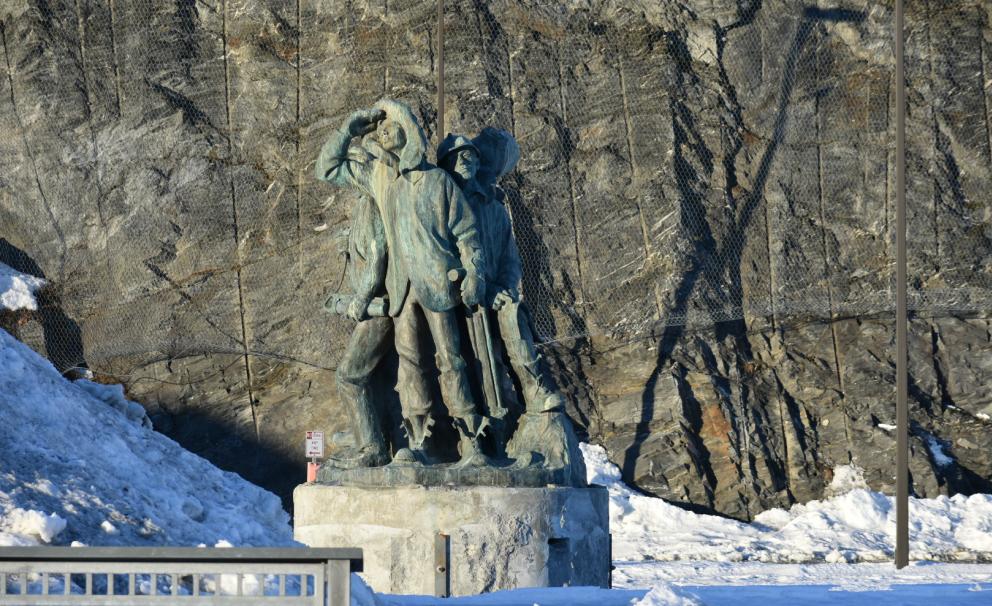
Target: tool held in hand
<point>498,410</point>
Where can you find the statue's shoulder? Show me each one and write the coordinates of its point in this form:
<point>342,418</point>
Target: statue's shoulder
<point>436,173</point>
<point>434,177</point>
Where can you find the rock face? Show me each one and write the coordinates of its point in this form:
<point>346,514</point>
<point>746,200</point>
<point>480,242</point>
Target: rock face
<point>704,206</point>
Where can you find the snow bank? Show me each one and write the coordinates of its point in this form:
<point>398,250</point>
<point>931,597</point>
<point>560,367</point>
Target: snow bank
<point>17,289</point>
<point>853,526</point>
<point>79,463</point>
<point>666,595</point>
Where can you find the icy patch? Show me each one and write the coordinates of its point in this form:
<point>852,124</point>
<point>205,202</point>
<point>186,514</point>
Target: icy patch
<point>96,474</point>
<point>17,289</point>
<point>854,525</point>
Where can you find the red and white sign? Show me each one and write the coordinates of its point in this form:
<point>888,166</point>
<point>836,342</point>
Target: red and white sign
<point>315,443</point>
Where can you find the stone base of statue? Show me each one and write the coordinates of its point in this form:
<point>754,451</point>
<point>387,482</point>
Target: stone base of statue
<point>462,540</point>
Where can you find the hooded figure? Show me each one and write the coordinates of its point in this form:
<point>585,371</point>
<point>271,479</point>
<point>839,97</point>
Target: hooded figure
<point>476,165</point>
<point>429,230</point>
<point>544,436</point>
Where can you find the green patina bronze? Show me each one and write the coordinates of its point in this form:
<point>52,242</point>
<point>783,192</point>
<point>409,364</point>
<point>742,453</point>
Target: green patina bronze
<point>433,254</point>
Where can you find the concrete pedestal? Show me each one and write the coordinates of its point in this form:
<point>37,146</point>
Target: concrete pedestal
<point>492,538</point>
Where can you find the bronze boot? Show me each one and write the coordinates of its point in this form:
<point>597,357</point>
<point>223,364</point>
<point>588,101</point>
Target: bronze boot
<point>417,429</point>
<point>537,395</point>
<point>370,448</point>
<point>471,428</point>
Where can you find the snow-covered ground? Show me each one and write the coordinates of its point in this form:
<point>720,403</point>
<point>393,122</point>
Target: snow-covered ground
<point>80,464</point>
<point>803,555</point>
<point>854,525</point>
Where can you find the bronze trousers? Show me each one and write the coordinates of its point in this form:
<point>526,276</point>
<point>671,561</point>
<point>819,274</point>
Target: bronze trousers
<point>368,344</point>
<point>412,381</point>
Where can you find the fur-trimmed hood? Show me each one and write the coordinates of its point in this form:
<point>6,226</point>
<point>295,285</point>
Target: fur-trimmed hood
<point>413,154</point>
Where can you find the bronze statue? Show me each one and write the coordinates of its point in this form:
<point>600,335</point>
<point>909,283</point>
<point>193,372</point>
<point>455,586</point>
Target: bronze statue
<point>371,339</point>
<point>429,230</point>
<point>435,246</point>
<point>476,165</point>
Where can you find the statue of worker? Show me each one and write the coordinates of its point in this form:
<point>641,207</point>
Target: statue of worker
<point>544,436</point>
<point>429,231</point>
<point>476,166</point>
<point>370,341</point>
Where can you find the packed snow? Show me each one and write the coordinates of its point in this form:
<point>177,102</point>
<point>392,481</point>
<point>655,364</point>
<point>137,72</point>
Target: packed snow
<point>661,595</point>
<point>855,525</point>
<point>81,464</point>
<point>17,289</point>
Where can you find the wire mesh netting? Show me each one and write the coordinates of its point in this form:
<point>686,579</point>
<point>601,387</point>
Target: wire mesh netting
<point>678,168</point>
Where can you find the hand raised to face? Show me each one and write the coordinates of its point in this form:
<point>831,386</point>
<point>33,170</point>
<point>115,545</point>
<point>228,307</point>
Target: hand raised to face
<point>365,121</point>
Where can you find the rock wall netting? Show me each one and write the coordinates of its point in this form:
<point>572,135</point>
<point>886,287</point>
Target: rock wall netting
<point>705,217</point>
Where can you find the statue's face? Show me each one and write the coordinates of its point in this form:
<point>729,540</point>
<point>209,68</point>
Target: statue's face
<point>467,163</point>
<point>391,135</point>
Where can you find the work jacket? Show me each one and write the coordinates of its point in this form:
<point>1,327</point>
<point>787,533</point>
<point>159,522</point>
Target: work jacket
<point>429,226</point>
<point>502,259</point>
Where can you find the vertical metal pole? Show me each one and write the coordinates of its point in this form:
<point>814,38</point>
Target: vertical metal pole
<point>902,352</point>
<point>442,565</point>
<point>339,584</point>
<point>440,71</point>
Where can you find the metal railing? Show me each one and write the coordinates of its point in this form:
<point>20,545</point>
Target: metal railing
<point>135,576</point>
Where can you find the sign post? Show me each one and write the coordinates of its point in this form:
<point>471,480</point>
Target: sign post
<point>315,449</point>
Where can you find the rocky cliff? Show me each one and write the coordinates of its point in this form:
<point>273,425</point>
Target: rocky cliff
<point>704,205</point>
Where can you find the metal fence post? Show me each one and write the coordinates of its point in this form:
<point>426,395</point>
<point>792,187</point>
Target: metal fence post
<point>339,583</point>
<point>442,565</point>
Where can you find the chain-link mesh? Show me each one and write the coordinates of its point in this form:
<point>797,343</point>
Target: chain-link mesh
<point>700,176</point>
<point>678,167</point>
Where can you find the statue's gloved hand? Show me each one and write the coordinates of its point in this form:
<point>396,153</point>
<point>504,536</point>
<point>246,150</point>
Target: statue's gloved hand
<point>473,290</point>
<point>358,309</point>
<point>364,121</point>
<point>507,296</point>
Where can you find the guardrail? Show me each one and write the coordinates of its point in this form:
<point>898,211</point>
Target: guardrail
<point>136,576</point>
